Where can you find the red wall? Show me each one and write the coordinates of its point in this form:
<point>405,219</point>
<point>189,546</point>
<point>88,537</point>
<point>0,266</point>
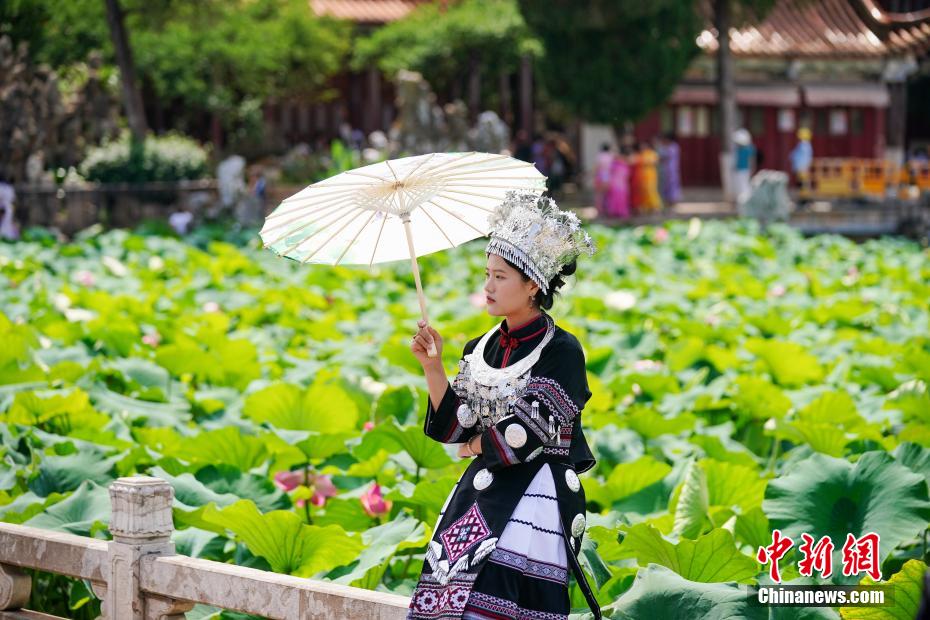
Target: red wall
<point>700,154</point>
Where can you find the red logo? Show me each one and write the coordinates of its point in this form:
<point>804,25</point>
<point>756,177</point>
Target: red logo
<point>859,555</point>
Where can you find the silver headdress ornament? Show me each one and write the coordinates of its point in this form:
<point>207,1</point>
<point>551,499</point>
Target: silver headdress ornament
<point>531,232</point>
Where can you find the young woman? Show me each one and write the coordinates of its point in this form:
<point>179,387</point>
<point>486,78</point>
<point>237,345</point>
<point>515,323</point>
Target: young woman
<point>510,530</point>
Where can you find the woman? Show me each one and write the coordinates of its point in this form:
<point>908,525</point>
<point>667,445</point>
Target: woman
<point>646,179</point>
<point>605,160</point>
<point>618,193</point>
<point>511,528</point>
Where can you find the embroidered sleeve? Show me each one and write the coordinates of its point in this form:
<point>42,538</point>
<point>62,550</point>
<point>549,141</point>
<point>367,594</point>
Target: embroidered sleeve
<point>442,422</point>
<point>554,396</point>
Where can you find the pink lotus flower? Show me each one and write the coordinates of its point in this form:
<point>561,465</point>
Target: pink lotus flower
<point>153,339</point>
<point>323,486</point>
<point>374,503</point>
<point>368,425</point>
<point>777,290</point>
<point>85,278</point>
<point>660,235</point>
<point>478,300</point>
<point>211,306</point>
<point>289,480</point>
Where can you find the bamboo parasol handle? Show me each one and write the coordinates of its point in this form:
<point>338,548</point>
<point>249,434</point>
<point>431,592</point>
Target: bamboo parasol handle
<point>431,352</point>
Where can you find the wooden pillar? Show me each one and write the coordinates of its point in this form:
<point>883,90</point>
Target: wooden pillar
<point>526,95</point>
<point>896,136</point>
<point>506,103</point>
<point>474,87</point>
<point>373,101</point>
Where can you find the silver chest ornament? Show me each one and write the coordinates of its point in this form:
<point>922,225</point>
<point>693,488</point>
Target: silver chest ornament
<point>488,392</point>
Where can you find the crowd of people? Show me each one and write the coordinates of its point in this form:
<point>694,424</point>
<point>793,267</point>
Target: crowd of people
<point>551,154</point>
<point>642,177</point>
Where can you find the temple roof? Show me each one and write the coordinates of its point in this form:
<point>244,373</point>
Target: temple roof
<point>365,11</point>
<point>828,28</point>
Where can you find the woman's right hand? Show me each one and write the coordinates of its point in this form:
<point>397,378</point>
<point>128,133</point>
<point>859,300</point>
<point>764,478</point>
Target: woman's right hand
<point>420,345</point>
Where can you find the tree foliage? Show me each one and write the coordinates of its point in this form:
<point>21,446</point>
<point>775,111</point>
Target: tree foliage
<point>210,56</point>
<point>612,61</point>
<point>441,44</point>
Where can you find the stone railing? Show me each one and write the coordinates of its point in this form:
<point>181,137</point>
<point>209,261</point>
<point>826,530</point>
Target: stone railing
<point>138,576</point>
<point>115,205</point>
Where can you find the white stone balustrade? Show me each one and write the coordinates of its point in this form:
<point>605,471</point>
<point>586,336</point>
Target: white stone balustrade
<point>140,577</point>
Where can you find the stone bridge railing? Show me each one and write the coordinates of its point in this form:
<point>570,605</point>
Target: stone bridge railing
<point>139,577</point>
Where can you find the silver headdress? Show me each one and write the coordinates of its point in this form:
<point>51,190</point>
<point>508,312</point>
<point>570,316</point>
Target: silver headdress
<point>531,232</point>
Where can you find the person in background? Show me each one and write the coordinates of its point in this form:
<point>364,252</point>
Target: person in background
<point>522,147</point>
<point>555,163</point>
<point>645,185</point>
<point>670,167</point>
<point>602,173</point>
<point>801,157</point>
<point>617,200</point>
<point>744,162</point>
<point>539,155</point>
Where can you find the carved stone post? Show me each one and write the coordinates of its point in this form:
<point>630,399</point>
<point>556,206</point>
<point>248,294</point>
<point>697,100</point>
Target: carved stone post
<point>141,525</point>
<point>15,586</point>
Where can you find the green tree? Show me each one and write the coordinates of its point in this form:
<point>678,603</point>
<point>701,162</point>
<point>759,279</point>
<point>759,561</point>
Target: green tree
<point>477,39</point>
<point>216,59</point>
<point>727,14</point>
<point>612,61</point>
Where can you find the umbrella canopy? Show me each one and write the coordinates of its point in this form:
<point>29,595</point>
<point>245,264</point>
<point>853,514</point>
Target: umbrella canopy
<point>396,209</point>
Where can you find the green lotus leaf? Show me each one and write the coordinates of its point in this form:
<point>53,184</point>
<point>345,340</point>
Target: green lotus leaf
<point>289,545</point>
<point>826,496</point>
<point>658,592</point>
<point>381,543</point>
<point>907,586</point>
<point>323,408</point>
<point>789,363</point>
<point>81,513</point>
<point>710,558</point>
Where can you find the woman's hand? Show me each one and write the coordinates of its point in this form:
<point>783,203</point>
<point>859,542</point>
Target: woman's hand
<point>475,446</point>
<point>420,345</point>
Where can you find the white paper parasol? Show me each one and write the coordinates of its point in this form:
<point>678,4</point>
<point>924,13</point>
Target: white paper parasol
<point>381,212</point>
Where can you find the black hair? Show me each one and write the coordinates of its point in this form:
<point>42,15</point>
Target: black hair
<point>544,300</point>
<point>605,146</point>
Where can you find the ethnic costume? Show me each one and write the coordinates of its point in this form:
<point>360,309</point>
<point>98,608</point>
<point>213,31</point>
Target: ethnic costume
<point>510,530</point>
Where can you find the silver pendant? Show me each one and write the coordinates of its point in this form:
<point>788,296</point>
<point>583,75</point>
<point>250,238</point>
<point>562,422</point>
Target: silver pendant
<point>578,524</point>
<point>483,479</point>
<point>466,416</point>
<point>571,479</point>
<point>515,435</point>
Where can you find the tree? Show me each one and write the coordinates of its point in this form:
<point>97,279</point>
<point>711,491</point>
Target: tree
<point>194,61</point>
<point>613,61</point>
<point>480,39</point>
<point>726,95</point>
<point>132,97</point>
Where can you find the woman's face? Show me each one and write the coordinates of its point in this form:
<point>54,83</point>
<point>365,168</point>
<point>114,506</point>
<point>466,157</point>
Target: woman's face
<point>506,291</point>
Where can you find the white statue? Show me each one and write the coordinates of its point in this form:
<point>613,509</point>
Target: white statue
<point>8,227</point>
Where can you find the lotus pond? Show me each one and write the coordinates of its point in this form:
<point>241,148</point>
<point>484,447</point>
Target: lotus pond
<point>741,383</point>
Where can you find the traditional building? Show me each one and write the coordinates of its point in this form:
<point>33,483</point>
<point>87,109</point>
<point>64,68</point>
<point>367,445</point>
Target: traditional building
<point>838,67</point>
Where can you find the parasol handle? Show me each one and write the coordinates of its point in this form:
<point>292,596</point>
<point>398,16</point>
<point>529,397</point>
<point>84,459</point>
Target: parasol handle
<point>431,352</point>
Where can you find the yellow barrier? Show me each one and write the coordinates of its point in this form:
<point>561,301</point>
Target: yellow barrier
<point>833,177</point>
<point>850,177</point>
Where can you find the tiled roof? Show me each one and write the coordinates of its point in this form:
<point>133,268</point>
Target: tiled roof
<point>365,11</point>
<point>828,28</point>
